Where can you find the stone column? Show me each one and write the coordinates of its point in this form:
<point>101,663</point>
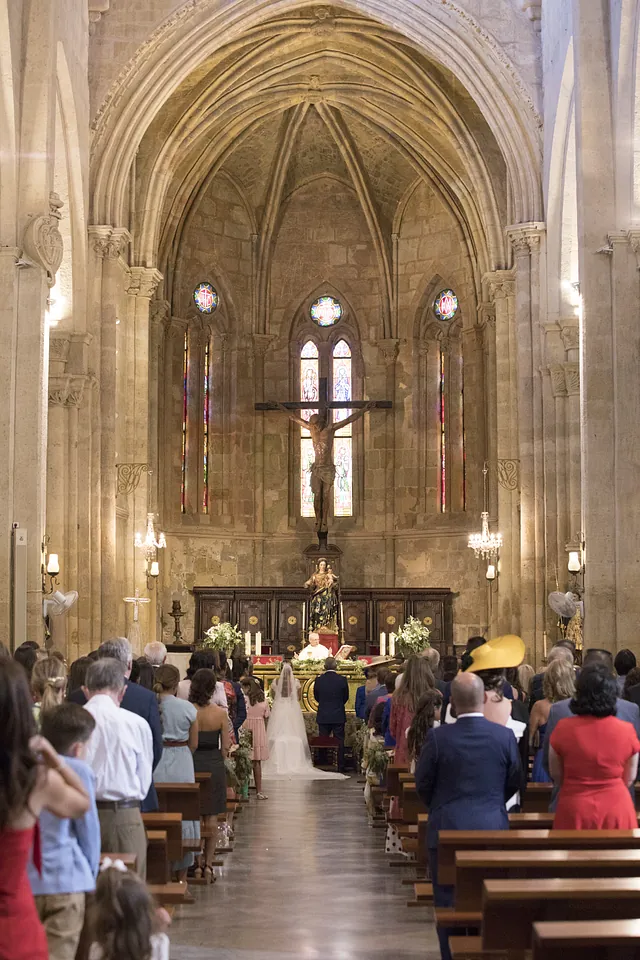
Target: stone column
<point>526,243</point>
<point>504,404</point>
<point>159,311</point>
<point>389,350</point>
<point>596,216</point>
<point>108,244</point>
<point>260,343</point>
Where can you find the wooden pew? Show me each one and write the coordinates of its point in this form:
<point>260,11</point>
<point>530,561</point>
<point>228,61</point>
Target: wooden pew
<point>511,907</point>
<point>451,841</point>
<point>171,823</point>
<point>613,939</point>
<point>537,798</point>
<point>392,783</point>
<point>181,798</point>
<point>473,867</point>
<point>412,805</point>
<point>202,780</point>
<point>167,893</point>
<point>157,857</point>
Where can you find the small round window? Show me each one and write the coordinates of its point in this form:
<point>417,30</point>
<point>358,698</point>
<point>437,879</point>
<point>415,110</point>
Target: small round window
<point>205,298</point>
<point>326,311</point>
<point>446,305</point>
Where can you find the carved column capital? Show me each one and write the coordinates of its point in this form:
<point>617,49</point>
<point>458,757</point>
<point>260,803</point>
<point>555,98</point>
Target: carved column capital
<point>143,281</point>
<point>508,473</point>
<point>160,312</point>
<point>558,382</point>
<point>422,347</point>
<point>501,284</point>
<point>176,328</point>
<point>533,9</point>
<point>67,390</point>
<point>389,349</point>
<point>572,378</point>
<point>42,240</point>
<point>571,337</point>
<point>260,343</point>
<point>59,344</point>
<point>107,241</point>
<point>634,241</point>
<point>525,237</point>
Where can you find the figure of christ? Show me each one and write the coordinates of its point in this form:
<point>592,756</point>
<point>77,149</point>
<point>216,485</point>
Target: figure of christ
<point>323,471</point>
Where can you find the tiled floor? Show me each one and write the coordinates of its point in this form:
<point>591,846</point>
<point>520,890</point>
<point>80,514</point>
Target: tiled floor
<point>307,879</point>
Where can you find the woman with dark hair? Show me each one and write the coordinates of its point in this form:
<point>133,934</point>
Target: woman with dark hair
<point>426,718</point>
<point>417,679</point>
<point>213,744</point>
<point>27,656</point>
<point>594,758</point>
<point>203,660</point>
<point>33,778</point>
<point>624,663</point>
<point>77,674</point>
<point>142,673</point>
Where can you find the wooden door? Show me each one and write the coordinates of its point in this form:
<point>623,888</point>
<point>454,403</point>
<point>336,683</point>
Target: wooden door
<point>289,624</point>
<point>430,613</point>
<point>390,616</point>
<point>214,610</point>
<point>356,625</point>
<point>253,616</point>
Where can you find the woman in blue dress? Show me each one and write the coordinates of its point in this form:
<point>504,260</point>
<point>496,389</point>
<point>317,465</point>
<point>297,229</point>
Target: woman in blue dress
<point>180,738</point>
<point>559,683</point>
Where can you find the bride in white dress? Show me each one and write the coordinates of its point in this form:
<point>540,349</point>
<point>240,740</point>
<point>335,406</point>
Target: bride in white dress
<point>289,754</point>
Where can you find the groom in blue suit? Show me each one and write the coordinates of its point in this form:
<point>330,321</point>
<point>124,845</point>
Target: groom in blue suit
<point>466,773</point>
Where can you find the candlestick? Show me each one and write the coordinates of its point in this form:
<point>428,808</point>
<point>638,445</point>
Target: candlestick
<point>258,644</point>
<point>247,644</point>
<point>383,644</point>
<point>392,644</point>
<point>544,644</point>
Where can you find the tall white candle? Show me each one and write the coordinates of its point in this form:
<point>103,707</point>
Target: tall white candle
<point>342,616</point>
<point>304,617</point>
<point>392,644</point>
<point>383,644</point>
<point>258,644</point>
<point>247,643</point>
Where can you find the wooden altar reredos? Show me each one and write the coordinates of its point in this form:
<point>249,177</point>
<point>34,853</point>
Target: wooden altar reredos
<point>278,614</point>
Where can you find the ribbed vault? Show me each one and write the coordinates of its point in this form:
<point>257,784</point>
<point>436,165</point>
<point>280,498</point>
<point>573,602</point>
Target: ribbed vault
<point>295,99</point>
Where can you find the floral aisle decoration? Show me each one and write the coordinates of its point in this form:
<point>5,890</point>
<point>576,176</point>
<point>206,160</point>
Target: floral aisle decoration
<point>223,637</point>
<point>240,766</point>
<point>413,638</point>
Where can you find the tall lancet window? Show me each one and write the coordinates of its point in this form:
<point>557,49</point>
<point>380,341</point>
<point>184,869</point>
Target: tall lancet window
<point>343,443</point>
<point>309,391</point>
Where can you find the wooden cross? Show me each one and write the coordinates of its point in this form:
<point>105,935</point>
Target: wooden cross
<point>323,404</point>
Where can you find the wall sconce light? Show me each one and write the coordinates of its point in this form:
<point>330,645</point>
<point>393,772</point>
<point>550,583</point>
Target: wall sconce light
<point>153,572</point>
<point>491,573</point>
<point>50,568</point>
<point>575,566</point>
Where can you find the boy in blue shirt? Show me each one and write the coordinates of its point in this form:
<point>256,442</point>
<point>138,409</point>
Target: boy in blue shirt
<point>70,848</point>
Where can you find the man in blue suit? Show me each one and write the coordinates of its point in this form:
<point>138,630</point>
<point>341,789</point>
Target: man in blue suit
<point>331,690</point>
<point>466,773</point>
<point>561,710</point>
<point>138,700</point>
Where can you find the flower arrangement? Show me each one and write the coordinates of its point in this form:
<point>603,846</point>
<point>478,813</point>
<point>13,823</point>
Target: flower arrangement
<point>239,765</point>
<point>412,638</point>
<point>377,759</point>
<point>310,666</point>
<point>222,637</point>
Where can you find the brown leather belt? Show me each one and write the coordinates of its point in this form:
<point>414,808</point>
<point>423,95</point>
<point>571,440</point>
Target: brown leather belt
<point>116,804</point>
<point>175,743</point>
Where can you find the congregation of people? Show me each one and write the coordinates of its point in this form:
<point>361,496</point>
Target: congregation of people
<point>80,751</point>
<point>477,732</point>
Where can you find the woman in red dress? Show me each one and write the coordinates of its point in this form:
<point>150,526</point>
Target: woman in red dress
<point>594,756</point>
<point>32,778</point>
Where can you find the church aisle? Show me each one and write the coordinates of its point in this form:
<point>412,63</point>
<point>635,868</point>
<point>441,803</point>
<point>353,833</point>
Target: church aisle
<point>308,879</point>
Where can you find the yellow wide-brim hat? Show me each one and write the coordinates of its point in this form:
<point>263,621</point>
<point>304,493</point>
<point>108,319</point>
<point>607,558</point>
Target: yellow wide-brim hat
<point>498,654</point>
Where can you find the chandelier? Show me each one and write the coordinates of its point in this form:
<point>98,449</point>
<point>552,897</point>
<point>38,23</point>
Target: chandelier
<point>485,544</point>
<point>150,544</point>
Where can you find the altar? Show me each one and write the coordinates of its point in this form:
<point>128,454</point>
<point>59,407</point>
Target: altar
<point>267,669</point>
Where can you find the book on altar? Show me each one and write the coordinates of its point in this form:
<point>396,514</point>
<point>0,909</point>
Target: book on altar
<point>345,651</point>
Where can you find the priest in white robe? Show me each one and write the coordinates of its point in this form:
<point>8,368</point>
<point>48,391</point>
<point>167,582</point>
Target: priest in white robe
<point>315,650</point>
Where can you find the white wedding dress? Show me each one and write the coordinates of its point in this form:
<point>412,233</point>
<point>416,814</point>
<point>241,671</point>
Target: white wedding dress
<point>289,754</point>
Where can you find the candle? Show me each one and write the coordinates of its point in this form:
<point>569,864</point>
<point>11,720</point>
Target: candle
<point>392,644</point>
<point>258,644</point>
<point>383,644</point>
<point>247,643</point>
<point>341,616</point>
<point>304,617</point>
<point>544,644</point>
<point>175,597</point>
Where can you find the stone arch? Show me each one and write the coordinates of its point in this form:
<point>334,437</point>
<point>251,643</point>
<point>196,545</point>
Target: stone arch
<point>8,154</point>
<point>195,30</point>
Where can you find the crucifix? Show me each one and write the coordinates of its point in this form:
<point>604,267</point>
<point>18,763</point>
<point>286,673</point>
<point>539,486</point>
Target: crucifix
<point>322,430</point>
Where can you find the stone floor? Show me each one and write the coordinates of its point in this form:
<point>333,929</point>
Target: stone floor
<point>307,879</point>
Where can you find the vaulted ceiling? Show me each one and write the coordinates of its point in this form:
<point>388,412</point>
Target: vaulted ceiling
<point>321,93</point>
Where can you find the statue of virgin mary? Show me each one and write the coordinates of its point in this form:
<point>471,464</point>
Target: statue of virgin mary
<point>324,598</point>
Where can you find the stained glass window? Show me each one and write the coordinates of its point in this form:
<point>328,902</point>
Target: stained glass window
<point>205,432</point>
<point>185,398</point>
<point>205,298</point>
<point>309,391</point>
<point>443,434</point>
<point>446,305</point>
<point>343,443</point>
<point>326,311</point>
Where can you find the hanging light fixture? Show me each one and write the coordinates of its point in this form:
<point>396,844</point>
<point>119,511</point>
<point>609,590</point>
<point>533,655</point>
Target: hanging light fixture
<point>150,545</point>
<point>485,544</point>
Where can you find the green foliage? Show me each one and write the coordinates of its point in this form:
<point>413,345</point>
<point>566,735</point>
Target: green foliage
<point>222,637</point>
<point>413,638</point>
<point>377,758</point>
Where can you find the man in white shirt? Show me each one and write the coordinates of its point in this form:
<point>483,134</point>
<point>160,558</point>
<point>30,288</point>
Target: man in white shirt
<point>315,650</point>
<point>120,753</point>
